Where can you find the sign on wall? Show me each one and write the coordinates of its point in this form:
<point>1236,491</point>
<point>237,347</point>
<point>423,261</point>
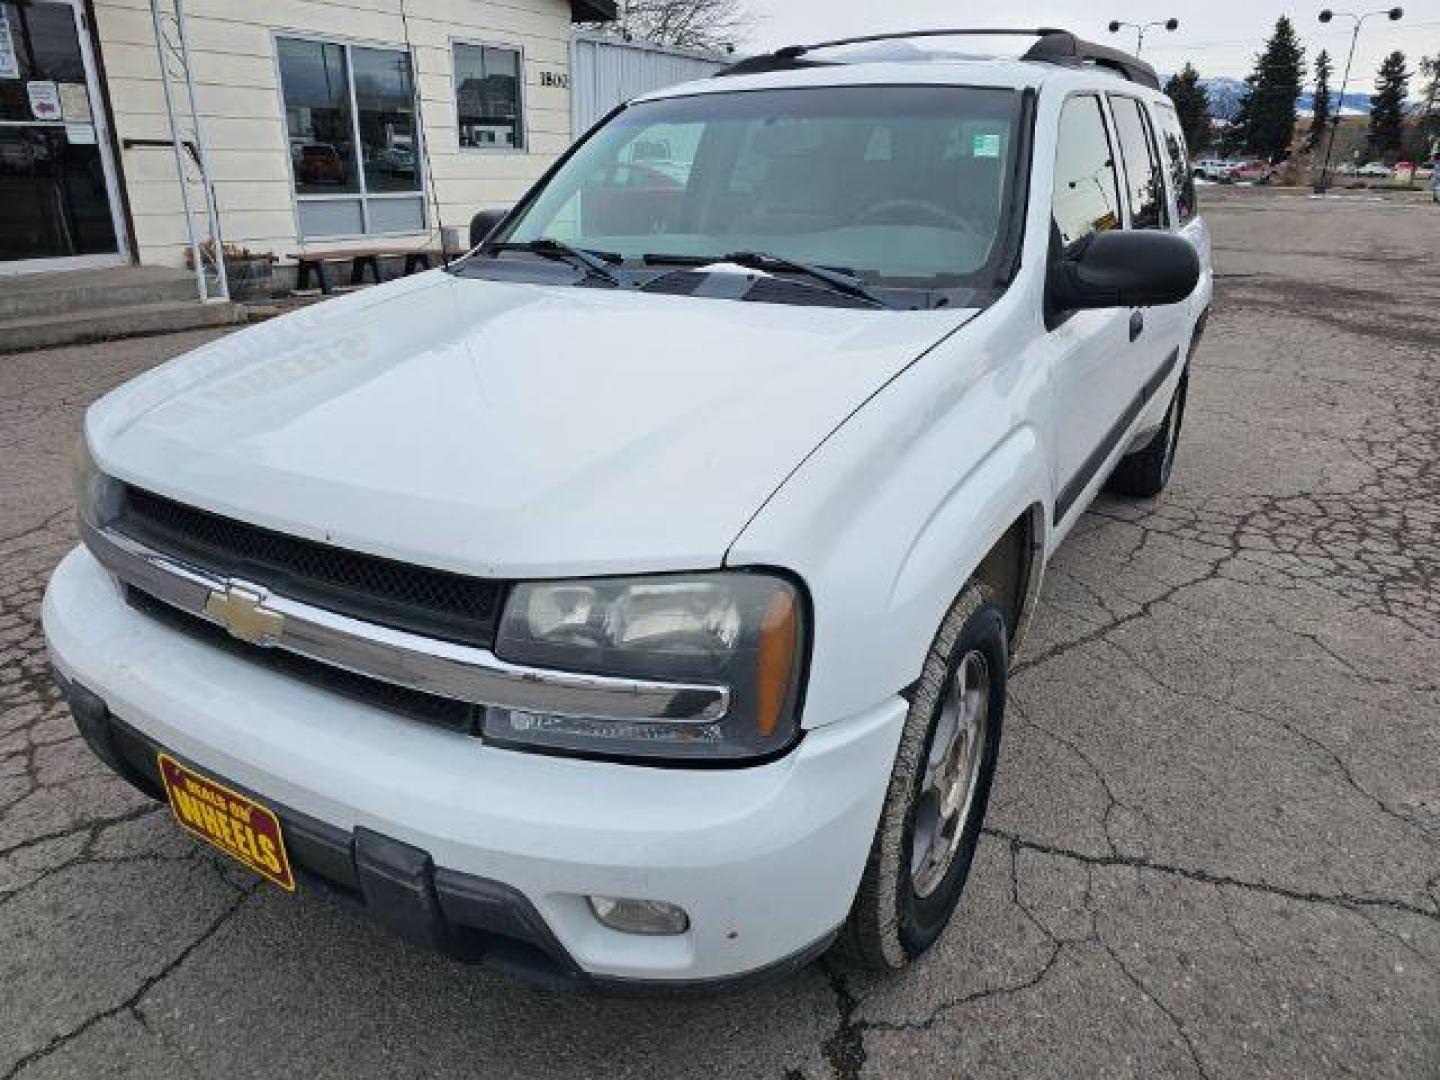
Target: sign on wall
<point>44,100</point>
<point>9,63</point>
<point>75,103</point>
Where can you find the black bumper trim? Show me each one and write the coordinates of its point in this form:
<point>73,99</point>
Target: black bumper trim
<point>470,918</point>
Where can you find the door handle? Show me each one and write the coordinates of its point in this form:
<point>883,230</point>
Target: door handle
<point>1137,323</point>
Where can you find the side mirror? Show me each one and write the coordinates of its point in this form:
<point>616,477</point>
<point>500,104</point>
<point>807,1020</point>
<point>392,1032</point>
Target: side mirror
<point>1140,268</point>
<point>484,223</point>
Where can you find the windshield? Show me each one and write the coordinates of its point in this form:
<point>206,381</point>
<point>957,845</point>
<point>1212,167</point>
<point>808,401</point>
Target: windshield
<point>904,187</point>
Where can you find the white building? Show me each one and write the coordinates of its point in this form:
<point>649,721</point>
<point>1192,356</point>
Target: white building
<point>327,122</point>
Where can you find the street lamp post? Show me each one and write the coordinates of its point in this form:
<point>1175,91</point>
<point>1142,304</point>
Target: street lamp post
<point>1140,28</point>
<point>1326,15</point>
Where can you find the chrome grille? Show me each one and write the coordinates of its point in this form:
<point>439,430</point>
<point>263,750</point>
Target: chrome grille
<point>421,600</point>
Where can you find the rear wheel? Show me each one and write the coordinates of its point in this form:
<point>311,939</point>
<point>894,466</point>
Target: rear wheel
<point>939,788</point>
<point>1145,473</point>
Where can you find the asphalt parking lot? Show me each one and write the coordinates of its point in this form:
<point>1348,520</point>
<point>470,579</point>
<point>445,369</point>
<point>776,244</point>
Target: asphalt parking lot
<point>1213,850</point>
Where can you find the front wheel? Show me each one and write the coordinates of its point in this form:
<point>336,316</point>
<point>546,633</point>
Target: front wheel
<point>939,788</point>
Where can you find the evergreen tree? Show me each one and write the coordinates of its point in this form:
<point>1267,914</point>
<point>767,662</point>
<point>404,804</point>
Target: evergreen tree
<point>1427,129</point>
<point>1269,108</point>
<point>1192,106</point>
<point>1321,107</point>
<point>1235,139</point>
<point>1387,107</point>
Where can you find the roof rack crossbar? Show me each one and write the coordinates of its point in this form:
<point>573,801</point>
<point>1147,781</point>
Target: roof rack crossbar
<point>1054,46</point>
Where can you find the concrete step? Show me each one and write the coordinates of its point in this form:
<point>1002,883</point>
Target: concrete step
<point>27,295</point>
<point>105,324</point>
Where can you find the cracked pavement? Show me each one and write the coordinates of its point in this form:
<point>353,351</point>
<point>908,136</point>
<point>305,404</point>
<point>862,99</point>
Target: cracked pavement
<point>1213,848</point>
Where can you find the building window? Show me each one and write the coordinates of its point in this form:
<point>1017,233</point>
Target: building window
<point>488,110</point>
<point>350,118</point>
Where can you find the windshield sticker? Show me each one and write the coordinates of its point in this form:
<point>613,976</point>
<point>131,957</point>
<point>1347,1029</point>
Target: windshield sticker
<point>985,145</point>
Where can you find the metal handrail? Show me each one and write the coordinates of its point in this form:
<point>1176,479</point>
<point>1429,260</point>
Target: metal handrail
<point>172,49</point>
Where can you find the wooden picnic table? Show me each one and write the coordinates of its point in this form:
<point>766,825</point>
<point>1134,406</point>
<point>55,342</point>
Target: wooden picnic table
<point>310,264</point>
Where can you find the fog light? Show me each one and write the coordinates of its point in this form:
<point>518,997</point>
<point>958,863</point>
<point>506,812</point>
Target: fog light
<point>653,917</point>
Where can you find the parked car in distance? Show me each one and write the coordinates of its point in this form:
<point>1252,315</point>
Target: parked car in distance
<point>1375,170</point>
<point>1216,170</point>
<point>319,163</point>
<point>398,156</point>
<point>633,600</point>
<point>1252,172</point>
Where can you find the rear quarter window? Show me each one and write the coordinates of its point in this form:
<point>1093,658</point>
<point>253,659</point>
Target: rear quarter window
<point>1177,159</point>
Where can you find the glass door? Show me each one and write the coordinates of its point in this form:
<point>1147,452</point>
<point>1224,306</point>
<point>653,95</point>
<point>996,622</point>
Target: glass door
<point>57,182</point>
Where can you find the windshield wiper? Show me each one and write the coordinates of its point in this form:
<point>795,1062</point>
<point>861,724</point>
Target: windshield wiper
<point>593,261</point>
<point>835,280</point>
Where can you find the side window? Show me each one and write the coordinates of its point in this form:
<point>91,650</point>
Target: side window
<point>1087,192</point>
<point>1144,183</point>
<point>1182,177</point>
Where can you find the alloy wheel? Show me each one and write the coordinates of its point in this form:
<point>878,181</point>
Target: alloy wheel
<point>952,768</point>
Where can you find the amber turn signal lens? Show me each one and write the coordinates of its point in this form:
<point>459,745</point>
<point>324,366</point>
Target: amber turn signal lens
<point>775,662</point>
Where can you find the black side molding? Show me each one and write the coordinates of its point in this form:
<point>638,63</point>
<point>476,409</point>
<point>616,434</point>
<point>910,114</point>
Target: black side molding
<point>1101,454</point>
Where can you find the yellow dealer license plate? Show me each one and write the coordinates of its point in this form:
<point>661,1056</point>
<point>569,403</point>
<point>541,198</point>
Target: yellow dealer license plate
<point>240,827</point>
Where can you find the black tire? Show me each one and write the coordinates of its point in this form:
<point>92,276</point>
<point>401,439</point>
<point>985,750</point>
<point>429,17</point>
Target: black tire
<point>1144,474</point>
<point>892,919</point>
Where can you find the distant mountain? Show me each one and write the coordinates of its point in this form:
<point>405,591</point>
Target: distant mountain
<point>1225,93</point>
<point>1355,104</point>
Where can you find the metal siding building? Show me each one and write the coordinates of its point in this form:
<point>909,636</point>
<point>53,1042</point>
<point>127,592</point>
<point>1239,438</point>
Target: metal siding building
<point>606,70</point>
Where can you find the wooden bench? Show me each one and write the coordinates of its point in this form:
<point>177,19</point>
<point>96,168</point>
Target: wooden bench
<point>310,264</point>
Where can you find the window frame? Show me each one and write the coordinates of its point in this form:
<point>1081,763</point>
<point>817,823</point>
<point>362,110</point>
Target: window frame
<point>1009,241</point>
<point>1147,123</point>
<point>522,126</point>
<point>363,195</point>
<point>1112,142</point>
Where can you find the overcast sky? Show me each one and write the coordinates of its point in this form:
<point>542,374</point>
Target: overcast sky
<point>1220,37</point>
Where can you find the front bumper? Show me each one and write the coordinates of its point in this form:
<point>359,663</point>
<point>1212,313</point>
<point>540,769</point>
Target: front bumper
<point>481,851</point>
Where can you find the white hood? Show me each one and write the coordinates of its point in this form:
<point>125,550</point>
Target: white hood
<point>507,430</point>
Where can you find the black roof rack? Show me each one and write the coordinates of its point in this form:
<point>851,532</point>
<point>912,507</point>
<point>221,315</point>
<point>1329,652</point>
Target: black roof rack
<point>1063,47</point>
<point>1053,47</point>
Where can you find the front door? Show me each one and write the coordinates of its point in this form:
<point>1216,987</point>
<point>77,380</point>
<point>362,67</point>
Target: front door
<point>1093,372</point>
<point>58,197</point>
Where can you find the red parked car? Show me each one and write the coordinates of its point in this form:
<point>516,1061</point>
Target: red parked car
<point>1254,172</point>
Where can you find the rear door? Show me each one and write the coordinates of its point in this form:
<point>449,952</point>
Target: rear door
<point>1158,334</point>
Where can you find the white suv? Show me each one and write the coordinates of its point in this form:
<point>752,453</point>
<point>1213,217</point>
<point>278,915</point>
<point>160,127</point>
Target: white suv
<point>633,599</point>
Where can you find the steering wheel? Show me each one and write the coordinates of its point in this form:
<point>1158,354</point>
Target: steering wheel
<point>929,210</point>
<point>650,176</point>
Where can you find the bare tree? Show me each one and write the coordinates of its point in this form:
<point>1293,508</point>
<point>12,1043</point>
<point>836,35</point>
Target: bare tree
<point>687,24</point>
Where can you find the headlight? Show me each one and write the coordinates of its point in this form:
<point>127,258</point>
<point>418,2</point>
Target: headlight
<point>97,496</point>
<point>743,631</point>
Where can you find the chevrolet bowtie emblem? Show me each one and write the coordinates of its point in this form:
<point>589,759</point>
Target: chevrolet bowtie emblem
<point>244,614</point>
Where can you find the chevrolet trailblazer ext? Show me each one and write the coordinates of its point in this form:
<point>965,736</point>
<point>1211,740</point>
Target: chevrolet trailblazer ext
<point>631,601</point>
